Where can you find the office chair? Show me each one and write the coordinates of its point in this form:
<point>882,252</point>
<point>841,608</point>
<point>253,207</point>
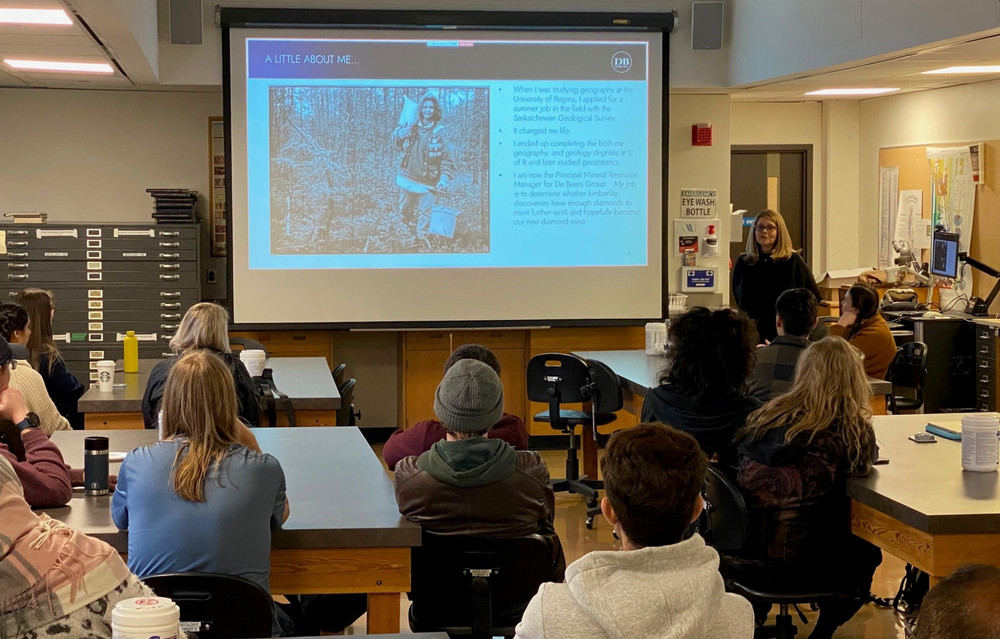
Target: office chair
<point>727,529</point>
<point>245,343</point>
<point>338,374</point>
<point>346,415</point>
<point>556,379</point>
<point>215,606</point>
<point>908,371</point>
<point>478,587</point>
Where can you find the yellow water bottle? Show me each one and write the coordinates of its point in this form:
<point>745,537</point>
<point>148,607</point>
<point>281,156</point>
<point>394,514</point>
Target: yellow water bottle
<point>131,352</point>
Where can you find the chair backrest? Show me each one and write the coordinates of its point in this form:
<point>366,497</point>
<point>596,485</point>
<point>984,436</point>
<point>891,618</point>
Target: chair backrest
<point>909,369</point>
<point>245,343</point>
<point>443,592</point>
<point>558,378</point>
<point>345,414</point>
<point>222,606</point>
<point>607,388</point>
<point>727,524</point>
<point>338,374</point>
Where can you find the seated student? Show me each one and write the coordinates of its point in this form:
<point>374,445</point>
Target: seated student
<point>863,326</point>
<point>660,584</point>
<point>203,326</point>
<point>62,386</point>
<point>796,453</point>
<point>14,329</point>
<point>703,389</point>
<point>57,582</point>
<point>795,318</point>
<point>965,604</point>
<point>419,438</point>
<point>205,498</point>
<point>467,484</point>
<point>44,475</point>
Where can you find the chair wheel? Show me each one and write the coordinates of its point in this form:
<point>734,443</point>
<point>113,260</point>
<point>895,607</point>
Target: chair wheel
<point>589,523</point>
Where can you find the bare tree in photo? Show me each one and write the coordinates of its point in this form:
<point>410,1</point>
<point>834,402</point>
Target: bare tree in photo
<point>338,157</point>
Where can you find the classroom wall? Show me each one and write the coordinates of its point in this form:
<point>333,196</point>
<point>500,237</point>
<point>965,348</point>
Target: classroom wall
<point>776,38</point>
<point>942,116</point>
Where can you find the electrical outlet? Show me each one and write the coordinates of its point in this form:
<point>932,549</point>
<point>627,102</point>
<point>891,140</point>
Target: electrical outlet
<point>210,276</point>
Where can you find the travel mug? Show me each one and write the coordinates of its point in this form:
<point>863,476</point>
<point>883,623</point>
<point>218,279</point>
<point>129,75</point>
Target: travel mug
<point>95,465</point>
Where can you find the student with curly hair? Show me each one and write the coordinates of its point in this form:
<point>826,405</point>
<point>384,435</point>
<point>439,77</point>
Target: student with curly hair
<point>703,389</point>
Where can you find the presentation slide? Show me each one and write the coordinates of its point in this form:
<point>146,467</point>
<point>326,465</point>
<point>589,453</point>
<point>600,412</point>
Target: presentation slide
<point>467,176</point>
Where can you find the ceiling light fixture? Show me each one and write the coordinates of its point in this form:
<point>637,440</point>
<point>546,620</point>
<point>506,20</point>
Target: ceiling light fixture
<point>55,65</point>
<point>869,91</point>
<point>34,16</point>
<point>982,68</point>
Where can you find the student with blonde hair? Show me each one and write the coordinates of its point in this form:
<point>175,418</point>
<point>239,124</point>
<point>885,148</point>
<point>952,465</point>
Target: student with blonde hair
<point>770,266</point>
<point>795,455</point>
<point>204,326</point>
<point>62,386</point>
<point>204,498</point>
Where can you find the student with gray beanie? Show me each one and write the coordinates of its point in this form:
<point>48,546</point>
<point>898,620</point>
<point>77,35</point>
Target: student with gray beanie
<point>467,484</point>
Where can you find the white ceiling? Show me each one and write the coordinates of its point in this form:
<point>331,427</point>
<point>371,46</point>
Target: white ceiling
<point>100,33</point>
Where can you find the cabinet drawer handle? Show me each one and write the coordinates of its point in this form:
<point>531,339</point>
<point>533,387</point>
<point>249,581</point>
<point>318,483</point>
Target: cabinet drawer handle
<point>170,305</point>
<point>170,316</point>
<point>170,295</point>
<point>17,255</point>
<point>984,393</point>
<point>166,338</point>
<point>170,278</point>
<point>166,354</point>
<point>169,267</point>
<point>985,334</point>
<point>170,234</point>
<point>16,244</point>
<point>170,244</point>
<point>17,266</point>
<point>19,233</point>
<point>985,379</point>
<point>170,256</point>
<point>168,327</point>
<point>17,276</point>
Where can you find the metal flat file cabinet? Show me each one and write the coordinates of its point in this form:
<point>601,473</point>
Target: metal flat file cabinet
<point>107,279</point>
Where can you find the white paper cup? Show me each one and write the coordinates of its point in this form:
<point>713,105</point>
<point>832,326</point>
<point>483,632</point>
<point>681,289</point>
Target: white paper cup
<point>253,359</point>
<point>105,375</point>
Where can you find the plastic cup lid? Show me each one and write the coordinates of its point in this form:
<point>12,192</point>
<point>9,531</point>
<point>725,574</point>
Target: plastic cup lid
<point>146,611</point>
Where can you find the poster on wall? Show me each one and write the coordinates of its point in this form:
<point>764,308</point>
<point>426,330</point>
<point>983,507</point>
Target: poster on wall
<point>699,203</point>
<point>888,187</point>
<point>953,193</point>
<point>909,211</point>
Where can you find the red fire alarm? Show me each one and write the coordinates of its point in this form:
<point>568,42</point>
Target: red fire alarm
<point>701,134</point>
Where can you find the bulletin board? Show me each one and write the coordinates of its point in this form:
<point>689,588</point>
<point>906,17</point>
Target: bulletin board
<point>915,173</point>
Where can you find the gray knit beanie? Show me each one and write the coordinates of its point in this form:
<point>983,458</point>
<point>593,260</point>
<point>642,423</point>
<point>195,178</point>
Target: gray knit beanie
<point>470,397</point>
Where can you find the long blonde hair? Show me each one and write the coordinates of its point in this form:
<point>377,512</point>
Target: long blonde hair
<point>782,243</point>
<point>199,406</point>
<point>205,325</point>
<point>830,393</point>
<point>39,304</point>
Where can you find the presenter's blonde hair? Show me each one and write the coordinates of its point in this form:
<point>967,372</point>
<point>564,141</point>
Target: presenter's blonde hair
<point>205,325</point>
<point>782,243</point>
<point>199,409</point>
<point>830,394</point>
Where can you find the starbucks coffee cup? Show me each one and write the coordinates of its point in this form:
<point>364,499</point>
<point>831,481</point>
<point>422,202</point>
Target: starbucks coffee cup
<point>145,618</point>
<point>980,443</point>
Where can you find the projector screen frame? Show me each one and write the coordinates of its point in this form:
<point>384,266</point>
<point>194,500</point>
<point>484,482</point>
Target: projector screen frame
<point>445,20</point>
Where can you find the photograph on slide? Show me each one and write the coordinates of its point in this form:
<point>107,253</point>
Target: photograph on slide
<point>379,170</point>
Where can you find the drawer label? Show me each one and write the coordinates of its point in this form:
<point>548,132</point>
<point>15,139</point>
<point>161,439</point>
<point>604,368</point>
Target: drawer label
<point>93,255</point>
<point>94,266</point>
<point>76,337</point>
<point>93,232</point>
<point>93,243</point>
<point>93,366</point>
<point>40,233</point>
<point>133,233</point>
<point>95,326</point>
<point>94,277</point>
<point>95,337</point>
<point>95,315</point>
<point>95,293</point>
<point>134,254</point>
<point>93,376</point>
<point>95,304</point>
<point>56,254</point>
<point>96,354</point>
<point>142,337</point>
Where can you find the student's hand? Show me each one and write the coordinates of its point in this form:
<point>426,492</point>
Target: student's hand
<point>76,478</point>
<point>12,405</point>
<point>847,318</point>
<point>767,342</point>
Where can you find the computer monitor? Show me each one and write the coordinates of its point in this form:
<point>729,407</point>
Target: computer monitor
<point>944,254</point>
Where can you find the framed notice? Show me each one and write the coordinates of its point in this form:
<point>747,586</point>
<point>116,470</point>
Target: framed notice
<point>217,187</point>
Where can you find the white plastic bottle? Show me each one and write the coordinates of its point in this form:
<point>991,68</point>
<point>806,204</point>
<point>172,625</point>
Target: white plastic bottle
<point>145,618</point>
<point>711,242</point>
<point>980,443</point>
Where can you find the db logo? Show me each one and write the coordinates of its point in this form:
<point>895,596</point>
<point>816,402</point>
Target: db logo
<point>621,62</point>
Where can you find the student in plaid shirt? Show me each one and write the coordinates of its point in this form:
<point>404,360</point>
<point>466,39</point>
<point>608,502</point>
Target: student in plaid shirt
<point>795,318</point>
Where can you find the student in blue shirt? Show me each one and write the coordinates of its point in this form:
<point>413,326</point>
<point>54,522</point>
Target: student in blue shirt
<point>205,498</point>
